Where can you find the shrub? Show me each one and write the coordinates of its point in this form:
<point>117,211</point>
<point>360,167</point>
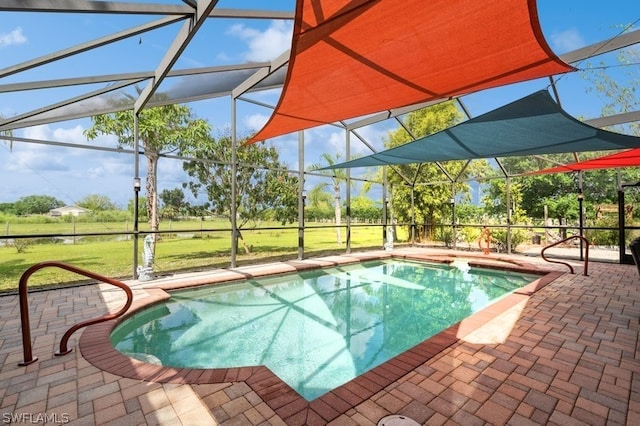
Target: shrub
<point>21,244</point>
<point>499,236</point>
<point>603,237</point>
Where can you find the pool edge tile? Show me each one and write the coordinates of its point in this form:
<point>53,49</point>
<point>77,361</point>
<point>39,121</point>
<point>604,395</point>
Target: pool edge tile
<point>95,346</point>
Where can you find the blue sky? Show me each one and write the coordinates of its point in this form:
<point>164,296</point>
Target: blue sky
<point>71,174</point>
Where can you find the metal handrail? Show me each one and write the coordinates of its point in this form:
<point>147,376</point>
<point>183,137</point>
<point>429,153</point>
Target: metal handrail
<point>24,307</point>
<point>586,253</point>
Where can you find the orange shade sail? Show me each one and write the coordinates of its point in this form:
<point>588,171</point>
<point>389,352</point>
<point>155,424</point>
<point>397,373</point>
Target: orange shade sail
<point>630,158</point>
<point>350,58</point>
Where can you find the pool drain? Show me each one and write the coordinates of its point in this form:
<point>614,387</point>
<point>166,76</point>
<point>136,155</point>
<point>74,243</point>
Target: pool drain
<point>397,420</point>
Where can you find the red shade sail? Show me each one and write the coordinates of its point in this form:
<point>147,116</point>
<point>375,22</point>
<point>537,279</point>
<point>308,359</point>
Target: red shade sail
<point>630,158</point>
<point>350,58</point>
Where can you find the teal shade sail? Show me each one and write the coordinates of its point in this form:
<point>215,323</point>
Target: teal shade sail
<point>532,125</point>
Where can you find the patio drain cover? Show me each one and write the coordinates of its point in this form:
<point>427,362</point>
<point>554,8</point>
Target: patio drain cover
<point>396,420</point>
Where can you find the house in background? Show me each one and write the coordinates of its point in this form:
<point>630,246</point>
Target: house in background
<point>68,211</point>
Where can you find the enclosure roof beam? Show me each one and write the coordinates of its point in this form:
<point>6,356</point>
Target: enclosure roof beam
<point>107,78</point>
<point>263,73</point>
<point>5,125</point>
<point>600,48</point>
<point>612,120</point>
<point>102,41</point>
<point>131,8</point>
<point>180,42</point>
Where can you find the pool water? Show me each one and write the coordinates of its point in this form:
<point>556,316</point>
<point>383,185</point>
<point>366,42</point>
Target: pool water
<point>315,330</point>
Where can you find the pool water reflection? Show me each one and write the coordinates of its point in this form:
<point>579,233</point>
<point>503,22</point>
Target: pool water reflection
<point>315,330</point>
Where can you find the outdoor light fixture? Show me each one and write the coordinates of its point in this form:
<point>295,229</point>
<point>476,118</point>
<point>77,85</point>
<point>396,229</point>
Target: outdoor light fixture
<point>580,196</point>
<point>304,194</point>
<point>452,201</point>
<point>136,184</point>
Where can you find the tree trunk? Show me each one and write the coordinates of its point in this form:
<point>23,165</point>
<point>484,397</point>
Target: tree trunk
<point>338,214</point>
<point>152,192</point>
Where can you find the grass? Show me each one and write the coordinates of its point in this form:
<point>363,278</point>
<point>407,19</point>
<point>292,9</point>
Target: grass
<point>174,252</point>
<point>24,227</point>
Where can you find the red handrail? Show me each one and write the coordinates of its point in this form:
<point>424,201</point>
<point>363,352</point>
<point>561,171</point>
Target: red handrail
<point>24,307</point>
<point>586,253</point>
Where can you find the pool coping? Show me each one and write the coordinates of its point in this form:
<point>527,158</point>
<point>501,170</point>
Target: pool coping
<point>96,347</point>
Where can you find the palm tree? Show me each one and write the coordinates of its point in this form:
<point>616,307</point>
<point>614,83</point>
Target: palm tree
<point>337,176</point>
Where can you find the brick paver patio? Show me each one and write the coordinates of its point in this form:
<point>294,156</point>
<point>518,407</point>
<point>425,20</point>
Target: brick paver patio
<point>564,354</point>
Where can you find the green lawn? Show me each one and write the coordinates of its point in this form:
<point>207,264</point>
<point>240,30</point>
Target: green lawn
<point>174,252</point>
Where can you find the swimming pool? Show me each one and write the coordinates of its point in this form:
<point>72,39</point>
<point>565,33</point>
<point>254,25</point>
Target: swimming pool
<point>316,330</point>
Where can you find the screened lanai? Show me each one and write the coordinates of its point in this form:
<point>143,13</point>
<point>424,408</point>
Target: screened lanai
<point>561,350</point>
<point>348,74</point>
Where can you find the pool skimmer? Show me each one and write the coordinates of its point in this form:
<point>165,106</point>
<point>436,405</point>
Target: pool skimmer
<point>397,420</point>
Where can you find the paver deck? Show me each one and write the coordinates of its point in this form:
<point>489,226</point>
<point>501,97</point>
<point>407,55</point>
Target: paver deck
<point>564,353</point>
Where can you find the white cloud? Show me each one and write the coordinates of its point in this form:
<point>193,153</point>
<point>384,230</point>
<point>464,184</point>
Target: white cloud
<point>34,158</point>
<point>264,45</point>
<point>567,41</point>
<point>73,134</point>
<point>66,173</point>
<point>336,141</point>
<point>11,38</point>
<point>255,122</point>
<point>374,135</point>
<point>109,167</point>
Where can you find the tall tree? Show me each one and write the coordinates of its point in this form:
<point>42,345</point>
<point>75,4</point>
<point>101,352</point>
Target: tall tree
<point>364,208</point>
<point>36,204</point>
<point>142,202</point>
<point>431,198</point>
<point>97,202</point>
<point>265,189</point>
<point>319,198</point>
<point>162,129</point>
<point>320,202</point>
<point>173,203</point>
<point>535,192</point>
<point>173,197</point>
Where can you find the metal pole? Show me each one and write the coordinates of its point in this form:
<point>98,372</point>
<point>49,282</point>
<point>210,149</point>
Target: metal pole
<point>581,212</point>
<point>348,189</point>
<point>508,201</point>
<point>136,190</point>
<point>301,195</point>
<point>581,223</point>
<point>453,216</point>
<point>413,215</point>
<point>385,205</point>
<point>234,186</point>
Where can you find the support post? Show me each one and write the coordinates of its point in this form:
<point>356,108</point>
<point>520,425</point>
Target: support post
<point>348,190</point>
<point>581,213</point>
<point>413,216</point>
<point>136,190</point>
<point>385,205</point>
<point>234,186</point>
<point>302,195</point>
<point>509,214</point>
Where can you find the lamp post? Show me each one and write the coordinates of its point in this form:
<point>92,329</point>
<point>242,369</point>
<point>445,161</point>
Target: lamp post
<point>452,201</point>
<point>301,205</point>
<point>385,220</point>
<point>580,220</point>
<point>136,198</point>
